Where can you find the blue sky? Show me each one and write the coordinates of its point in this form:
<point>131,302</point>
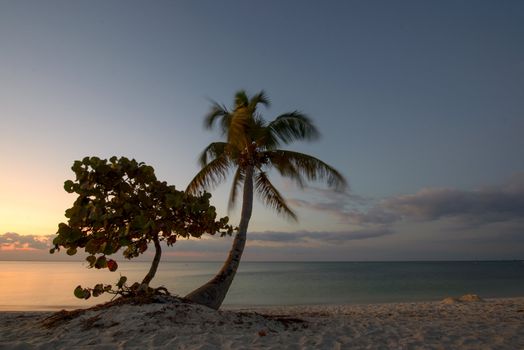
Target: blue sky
<point>420,105</point>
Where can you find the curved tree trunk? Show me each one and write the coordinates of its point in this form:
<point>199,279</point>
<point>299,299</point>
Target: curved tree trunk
<point>154,264</point>
<point>212,293</point>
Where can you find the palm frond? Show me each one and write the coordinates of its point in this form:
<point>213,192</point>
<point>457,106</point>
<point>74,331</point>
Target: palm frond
<point>241,99</point>
<point>210,175</point>
<point>218,113</point>
<point>285,168</point>
<point>237,134</point>
<point>313,169</point>
<point>260,98</point>
<point>290,127</point>
<point>271,197</point>
<point>237,183</point>
<point>212,151</point>
<point>258,131</point>
<point>245,122</point>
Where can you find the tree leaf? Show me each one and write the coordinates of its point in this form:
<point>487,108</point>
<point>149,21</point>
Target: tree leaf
<point>101,262</point>
<point>91,259</point>
<point>121,281</point>
<point>71,251</point>
<point>112,265</point>
<point>81,293</point>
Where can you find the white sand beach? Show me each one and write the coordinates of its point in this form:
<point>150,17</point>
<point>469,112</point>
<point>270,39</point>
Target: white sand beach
<point>450,324</point>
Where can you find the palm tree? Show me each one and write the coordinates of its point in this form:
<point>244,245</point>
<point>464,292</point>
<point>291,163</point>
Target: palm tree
<point>252,147</point>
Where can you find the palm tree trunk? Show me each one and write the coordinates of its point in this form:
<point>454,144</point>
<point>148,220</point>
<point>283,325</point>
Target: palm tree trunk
<point>212,293</point>
<point>154,264</point>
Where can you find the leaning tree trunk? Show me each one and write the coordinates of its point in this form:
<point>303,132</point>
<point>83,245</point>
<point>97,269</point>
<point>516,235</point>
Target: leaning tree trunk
<point>212,293</point>
<point>154,264</point>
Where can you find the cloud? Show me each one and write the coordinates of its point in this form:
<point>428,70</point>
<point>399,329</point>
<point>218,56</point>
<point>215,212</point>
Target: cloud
<point>328,199</point>
<point>483,206</point>
<point>469,208</point>
<point>374,215</point>
<point>333,237</point>
<point>216,244</point>
<point>346,208</point>
<point>11,241</point>
<point>341,205</point>
<point>475,207</point>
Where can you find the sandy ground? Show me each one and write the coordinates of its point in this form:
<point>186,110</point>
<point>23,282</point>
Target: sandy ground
<point>450,324</point>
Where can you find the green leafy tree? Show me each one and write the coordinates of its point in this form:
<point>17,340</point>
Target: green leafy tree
<point>122,205</point>
<point>252,146</point>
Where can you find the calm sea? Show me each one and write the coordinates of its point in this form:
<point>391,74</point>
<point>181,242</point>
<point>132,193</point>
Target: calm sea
<point>49,285</point>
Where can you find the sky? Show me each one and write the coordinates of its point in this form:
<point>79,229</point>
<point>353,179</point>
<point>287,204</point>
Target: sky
<point>420,105</point>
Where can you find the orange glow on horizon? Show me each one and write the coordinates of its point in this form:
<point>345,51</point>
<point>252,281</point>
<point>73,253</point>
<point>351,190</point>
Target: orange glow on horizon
<point>29,220</point>
<point>14,247</point>
<point>31,208</point>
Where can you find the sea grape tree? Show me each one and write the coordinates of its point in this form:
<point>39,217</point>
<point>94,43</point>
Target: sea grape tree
<point>122,205</point>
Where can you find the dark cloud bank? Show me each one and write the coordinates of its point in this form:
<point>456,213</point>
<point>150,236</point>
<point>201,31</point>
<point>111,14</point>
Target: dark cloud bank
<point>468,208</point>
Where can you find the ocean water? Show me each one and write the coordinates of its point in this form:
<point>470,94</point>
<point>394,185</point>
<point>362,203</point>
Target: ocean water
<point>32,285</point>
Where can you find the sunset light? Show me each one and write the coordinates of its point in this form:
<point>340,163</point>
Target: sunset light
<point>348,174</point>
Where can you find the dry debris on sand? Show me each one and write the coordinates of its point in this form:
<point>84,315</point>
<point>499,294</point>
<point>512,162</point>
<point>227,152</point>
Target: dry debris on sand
<point>169,323</point>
